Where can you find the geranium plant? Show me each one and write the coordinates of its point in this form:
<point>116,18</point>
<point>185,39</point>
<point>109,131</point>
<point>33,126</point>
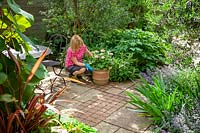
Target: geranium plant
<point>101,60</point>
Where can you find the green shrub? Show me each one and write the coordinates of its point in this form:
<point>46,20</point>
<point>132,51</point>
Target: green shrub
<point>147,49</point>
<point>122,69</point>
<point>134,51</point>
<point>172,102</point>
<point>74,126</point>
<point>187,115</point>
<point>157,102</point>
<point>187,82</point>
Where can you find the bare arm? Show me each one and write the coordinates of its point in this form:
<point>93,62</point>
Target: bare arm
<point>88,53</point>
<point>77,62</point>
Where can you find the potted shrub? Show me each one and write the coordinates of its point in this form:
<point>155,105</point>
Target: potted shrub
<point>102,63</point>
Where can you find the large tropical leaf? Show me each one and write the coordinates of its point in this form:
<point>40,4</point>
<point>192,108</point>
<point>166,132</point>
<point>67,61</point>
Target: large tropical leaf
<point>22,22</point>
<point>16,8</point>
<point>26,40</point>
<point>40,73</point>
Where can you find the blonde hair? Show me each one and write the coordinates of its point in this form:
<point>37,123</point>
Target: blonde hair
<point>75,42</point>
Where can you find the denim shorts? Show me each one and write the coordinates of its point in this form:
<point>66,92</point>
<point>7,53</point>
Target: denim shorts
<point>73,68</point>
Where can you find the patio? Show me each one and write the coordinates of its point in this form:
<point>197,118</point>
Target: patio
<point>103,107</point>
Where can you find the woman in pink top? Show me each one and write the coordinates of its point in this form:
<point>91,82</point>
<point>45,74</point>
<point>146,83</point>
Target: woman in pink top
<point>74,57</point>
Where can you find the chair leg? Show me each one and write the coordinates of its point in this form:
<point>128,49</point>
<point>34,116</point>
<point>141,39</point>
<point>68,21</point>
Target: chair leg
<point>57,73</point>
<point>52,83</point>
<point>64,81</point>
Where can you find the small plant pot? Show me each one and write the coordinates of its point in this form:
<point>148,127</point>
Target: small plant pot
<point>100,77</point>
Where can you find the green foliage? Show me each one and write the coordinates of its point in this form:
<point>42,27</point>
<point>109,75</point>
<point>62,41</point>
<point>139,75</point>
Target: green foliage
<point>147,49</point>
<point>64,123</point>
<point>56,16</point>
<point>88,18</point>
<point>134,50</point>
<point>163,17</point>
<point>74,126</point>
<point>157,102</point>
<point>137,10</point>
<point>101,60</point>
<point>16,8</point>
<point>187,82</point>
<point>17,24</point>
<point>172,102</point>
<point>3,77</point>
<point>122,69</point>
<point>168,18</point>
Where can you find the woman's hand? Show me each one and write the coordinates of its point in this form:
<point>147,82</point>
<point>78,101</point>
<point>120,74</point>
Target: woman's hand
<point>76,62</point>
<point>88,53</point>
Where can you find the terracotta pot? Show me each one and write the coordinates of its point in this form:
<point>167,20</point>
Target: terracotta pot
<point>100,77</point>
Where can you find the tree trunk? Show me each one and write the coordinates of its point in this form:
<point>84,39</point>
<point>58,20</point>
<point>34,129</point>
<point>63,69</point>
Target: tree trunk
<point>77,26</point>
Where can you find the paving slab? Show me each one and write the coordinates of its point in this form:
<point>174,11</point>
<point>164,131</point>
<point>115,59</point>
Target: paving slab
<point>104,127</point>
<point>74,91</point>
<point>124,85</point>
<point>121,130</point>
<point>115,91</point>
<point>68,104</point>
<point>87,95</point>
<point>129,120</point>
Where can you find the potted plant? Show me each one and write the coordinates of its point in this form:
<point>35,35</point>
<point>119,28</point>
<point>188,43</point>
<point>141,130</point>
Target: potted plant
<point>102,63</point>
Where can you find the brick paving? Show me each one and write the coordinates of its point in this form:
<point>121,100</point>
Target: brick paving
<point>99,108</point>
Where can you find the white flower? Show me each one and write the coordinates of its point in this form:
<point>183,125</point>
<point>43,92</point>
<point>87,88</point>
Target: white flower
<point>102,50</point>
<point>102,57</point>
<point>96,51</point>
<point>111,54</point>
<point>96,56</point>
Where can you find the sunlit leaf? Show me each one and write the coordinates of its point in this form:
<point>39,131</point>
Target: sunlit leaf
<point>16,8</point>
<point>7,98</point>
<point>22,22</point>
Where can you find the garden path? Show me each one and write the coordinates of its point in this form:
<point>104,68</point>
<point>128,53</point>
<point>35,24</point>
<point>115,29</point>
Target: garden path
<point>103,107</point>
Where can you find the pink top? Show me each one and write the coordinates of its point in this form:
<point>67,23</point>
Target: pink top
<point>78,54</point>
